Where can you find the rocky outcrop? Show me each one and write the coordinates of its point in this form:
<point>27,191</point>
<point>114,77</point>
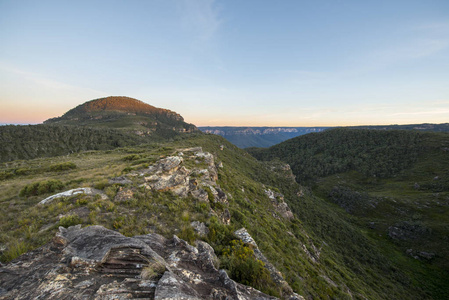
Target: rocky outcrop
<point>171,174</point>
<point>124,195</point>
<point>121,180</point>
<point>200,228</point>
<point>408,231</point>
<point>97,263</point>
<point>277,277</point>
<point>423,255</point>
<point>277,199</point>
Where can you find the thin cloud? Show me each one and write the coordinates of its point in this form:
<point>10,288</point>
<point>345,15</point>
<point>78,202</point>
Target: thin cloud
<point>428,39</point>
<point>202,17</point>
<point>45,82</point>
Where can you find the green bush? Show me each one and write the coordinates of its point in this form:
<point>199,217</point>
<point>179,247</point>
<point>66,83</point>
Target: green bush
<point>69,220</point>
<point>14,250</point>
<point>188,234</point>
<point>6,175</point>
<point>41,187</point>
<point>242,265</point>
<point>22,171</point>
<point>131,157</point>
<point>62,167</point>
<point>119,222</point>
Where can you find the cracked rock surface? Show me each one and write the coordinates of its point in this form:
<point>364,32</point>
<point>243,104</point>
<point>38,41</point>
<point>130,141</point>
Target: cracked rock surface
<point>98,263</point>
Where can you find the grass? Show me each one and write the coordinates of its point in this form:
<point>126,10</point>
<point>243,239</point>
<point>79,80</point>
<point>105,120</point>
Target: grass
<point>152,271</point>
<point>349,257</point>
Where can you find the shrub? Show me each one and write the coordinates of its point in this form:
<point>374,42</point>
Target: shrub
<point>6,175</point>
<point>239,260</point>
<point>202,207</point>
<point>21,171</point>
<point>82,201</point>
<point>118,222</point>
<point>152,271</point>
<point>41,187</point>
<point>131,157</point>
<point>14,250</point>
<point>69,220</point>
<point>62,166</point>
<point>100,185</point>
<point>188,234</point>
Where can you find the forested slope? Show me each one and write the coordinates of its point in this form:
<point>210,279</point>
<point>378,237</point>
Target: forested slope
<point>392,185</point>
<point>31,141</point>
<point>370,152</point>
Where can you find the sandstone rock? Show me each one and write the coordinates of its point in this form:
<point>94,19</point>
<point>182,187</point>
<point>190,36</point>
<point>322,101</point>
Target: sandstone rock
<point>200,194</point>
<point>97,263</point>
<point>167,165</point>
<point>69,193</point>
<point>407,231</point>
<point>426,255</point>
<point>277,199</point>
<point>124,195</point>
<point>312,252</point>
<point>172,287</point>
<point>226,217</point>
<point>277,277</point>
<point>219,195</point>
<point>284,211</point>
<point>169,174</point>
<point>122,180</point>
<point>200,228</point>
<point>420,254</point>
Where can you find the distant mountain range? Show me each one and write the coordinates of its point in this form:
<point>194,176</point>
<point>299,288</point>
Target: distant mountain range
<point>244,137</point>
<point>262,137</point>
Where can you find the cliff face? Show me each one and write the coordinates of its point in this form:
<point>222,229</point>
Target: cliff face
<point>245,137</point>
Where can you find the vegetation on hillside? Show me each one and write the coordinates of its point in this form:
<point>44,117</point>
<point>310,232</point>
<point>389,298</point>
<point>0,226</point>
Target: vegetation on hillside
<point>390,185</point>
<point>370,152</point>
<point>126,114</point>
<point>444,127</point>
<point>320,252</point>
<point>117,103</point>
<point>31,141</point>
<point>261,137</point>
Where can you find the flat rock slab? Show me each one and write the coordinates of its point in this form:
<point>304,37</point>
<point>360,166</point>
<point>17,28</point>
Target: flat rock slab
<point>70,193</point>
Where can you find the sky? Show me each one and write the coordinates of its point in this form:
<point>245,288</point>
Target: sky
<point>230,62</point>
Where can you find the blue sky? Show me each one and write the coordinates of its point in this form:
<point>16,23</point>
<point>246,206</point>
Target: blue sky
<point>233,62</point>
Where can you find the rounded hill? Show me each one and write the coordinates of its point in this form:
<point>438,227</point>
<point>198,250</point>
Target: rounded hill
<point>119,104</point>
<point>119,112</point>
